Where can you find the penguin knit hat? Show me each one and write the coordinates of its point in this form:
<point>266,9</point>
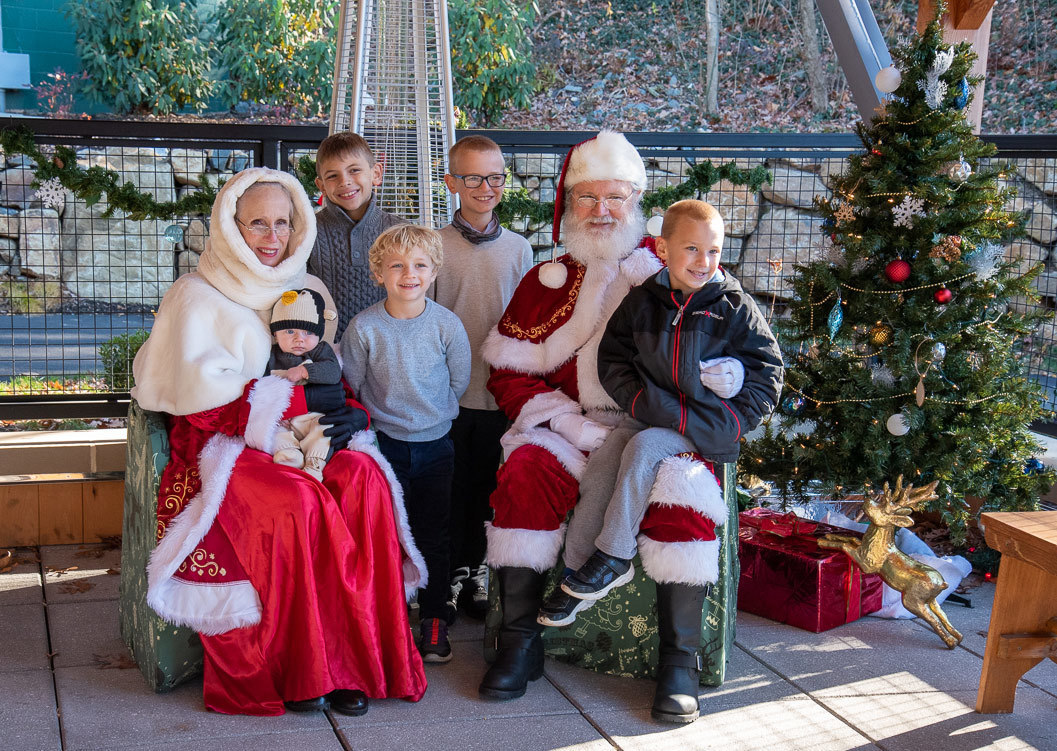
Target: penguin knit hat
<point>299,309</point>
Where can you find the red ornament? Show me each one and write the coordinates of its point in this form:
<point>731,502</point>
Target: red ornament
<point>898,271</point>
<point>987,576</point>
<point>943,296</point>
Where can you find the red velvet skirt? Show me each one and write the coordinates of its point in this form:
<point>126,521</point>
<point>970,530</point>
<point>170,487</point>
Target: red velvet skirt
<point>326,564</point>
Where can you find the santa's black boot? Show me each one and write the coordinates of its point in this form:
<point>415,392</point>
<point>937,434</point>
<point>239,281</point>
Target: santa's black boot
<point>520,655</point>
<point>679,626</point>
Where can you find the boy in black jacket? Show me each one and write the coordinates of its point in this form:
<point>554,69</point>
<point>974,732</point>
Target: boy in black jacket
<point>691,360</point>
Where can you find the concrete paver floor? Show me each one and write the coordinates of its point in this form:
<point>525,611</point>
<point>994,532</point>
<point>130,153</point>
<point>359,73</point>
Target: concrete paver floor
<point>68,683</point>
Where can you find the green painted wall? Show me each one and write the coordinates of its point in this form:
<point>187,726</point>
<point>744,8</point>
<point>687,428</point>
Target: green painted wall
<point>40,29</point>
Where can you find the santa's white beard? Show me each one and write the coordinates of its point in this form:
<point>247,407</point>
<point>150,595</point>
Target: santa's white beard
<point>610,242</point>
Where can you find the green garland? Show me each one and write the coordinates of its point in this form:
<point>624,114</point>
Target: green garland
<point>90,184</point>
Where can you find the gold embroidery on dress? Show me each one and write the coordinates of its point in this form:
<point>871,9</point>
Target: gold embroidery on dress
<point>174,501</point>
<point>203,564</point>
<point>538,331</point>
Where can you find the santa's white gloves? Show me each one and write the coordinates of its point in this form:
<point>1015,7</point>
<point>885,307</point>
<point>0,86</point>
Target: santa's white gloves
<point>724,375</point>
<point>582,432</point>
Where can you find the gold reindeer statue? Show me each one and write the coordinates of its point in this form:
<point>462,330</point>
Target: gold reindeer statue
<point>876,553</point>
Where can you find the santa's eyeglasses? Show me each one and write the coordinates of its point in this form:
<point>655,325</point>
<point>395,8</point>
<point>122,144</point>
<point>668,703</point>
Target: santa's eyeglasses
<point>612,203</point>
<point>498,180</point>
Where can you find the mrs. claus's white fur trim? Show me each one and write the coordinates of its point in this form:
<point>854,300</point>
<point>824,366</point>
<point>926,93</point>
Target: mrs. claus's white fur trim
<point>695,562</point>
<point>536,549</point>
<point>608,156</point>
<point>230,605</point>
<point>682,481</point>
<point>209,609</point>
<point>269,399</point>
<point>414,566</point>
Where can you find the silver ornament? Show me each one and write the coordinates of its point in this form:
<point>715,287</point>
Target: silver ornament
<point>938,352</point>
<point>959,171</point>
<point>888,79</point>
<point>897,424</point>
<point>174,233</point>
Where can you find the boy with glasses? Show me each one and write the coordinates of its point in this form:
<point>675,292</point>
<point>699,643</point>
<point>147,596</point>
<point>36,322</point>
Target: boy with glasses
<point>349,223</point>
<point>483,264</point>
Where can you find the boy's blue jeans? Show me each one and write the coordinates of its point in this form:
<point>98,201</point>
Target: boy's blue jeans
<point>424,469</point>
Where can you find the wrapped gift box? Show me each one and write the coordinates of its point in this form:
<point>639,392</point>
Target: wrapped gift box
<point>787,577</point>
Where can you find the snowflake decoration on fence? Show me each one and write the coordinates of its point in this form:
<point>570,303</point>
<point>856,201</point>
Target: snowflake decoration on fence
<point>908,208</point>
<point>51,193</point>
<point>844,213</point>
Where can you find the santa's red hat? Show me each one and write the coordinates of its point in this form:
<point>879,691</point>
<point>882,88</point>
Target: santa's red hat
<point>607,156</point>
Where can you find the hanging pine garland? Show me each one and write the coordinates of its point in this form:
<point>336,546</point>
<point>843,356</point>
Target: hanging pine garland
<point>699,179</point>
<point>91,184</point>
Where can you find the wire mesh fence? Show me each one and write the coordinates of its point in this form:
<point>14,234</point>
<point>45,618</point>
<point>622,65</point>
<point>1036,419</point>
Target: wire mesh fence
<point>77,289</point>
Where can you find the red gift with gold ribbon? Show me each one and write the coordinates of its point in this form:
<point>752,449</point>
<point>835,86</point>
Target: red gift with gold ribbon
<point>787,577</point>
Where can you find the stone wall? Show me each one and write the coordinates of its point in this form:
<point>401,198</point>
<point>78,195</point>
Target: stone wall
<point>115,259</point>
<point>109,259</point>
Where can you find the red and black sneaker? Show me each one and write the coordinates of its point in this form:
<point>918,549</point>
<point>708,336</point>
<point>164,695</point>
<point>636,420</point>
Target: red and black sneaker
<point>433,640</point>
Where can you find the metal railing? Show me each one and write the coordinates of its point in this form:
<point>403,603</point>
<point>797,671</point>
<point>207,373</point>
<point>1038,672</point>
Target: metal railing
<point>77,284</point>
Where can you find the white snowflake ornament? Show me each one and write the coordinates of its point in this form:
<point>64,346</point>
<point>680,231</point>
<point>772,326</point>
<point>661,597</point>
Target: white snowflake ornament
<point>51,193</point>
<point>907,210</point>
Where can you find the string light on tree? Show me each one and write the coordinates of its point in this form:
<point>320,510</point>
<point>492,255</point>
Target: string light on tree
<point>927,214</point>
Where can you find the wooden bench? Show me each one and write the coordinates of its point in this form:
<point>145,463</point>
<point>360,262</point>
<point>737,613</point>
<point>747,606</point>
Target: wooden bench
<point>1023,630</point>
<point>60,508</point>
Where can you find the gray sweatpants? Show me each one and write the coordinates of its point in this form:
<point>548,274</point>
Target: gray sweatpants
<point>615,490</point>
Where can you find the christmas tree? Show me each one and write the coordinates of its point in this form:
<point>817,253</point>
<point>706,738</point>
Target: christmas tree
<point>901,346</point>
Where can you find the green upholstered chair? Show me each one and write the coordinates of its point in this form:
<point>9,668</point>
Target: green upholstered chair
<point>618,634</point>
<point>166,654</point>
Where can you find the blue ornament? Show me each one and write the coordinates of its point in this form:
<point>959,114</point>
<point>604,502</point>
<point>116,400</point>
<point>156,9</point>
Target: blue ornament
<point>174,233</point>
<point>1033,466</point>
<point>961,97</point>
<point>828,225</point>
<point>793,405</point>
<point>835,319</point>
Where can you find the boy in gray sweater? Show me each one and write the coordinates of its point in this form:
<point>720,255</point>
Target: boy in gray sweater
<point>483,264</point>
<point>346,173</point>
<point>408,360</point>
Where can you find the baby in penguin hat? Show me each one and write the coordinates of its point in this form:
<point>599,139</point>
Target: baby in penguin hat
<point>302,356</point>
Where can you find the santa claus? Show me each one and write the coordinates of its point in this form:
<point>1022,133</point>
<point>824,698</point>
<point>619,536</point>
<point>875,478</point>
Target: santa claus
<point>543,355</point>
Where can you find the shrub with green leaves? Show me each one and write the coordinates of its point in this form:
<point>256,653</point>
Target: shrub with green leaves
<point>491,55</point>
<point>142,56</point>
<point>278,53</point>
<point>117,355</point>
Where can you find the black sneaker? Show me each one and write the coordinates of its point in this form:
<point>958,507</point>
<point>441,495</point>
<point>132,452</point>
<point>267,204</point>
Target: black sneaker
<point>599,575</point>
<point>560,609</point>
<point>433,642</point>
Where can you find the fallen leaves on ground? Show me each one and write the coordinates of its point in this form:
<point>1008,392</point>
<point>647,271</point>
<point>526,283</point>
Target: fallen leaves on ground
<point>57,571</point>
<point>76,586</point>
<point>113,662</point>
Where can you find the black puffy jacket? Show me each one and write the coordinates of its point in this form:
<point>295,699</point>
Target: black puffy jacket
<point>648,361</point>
